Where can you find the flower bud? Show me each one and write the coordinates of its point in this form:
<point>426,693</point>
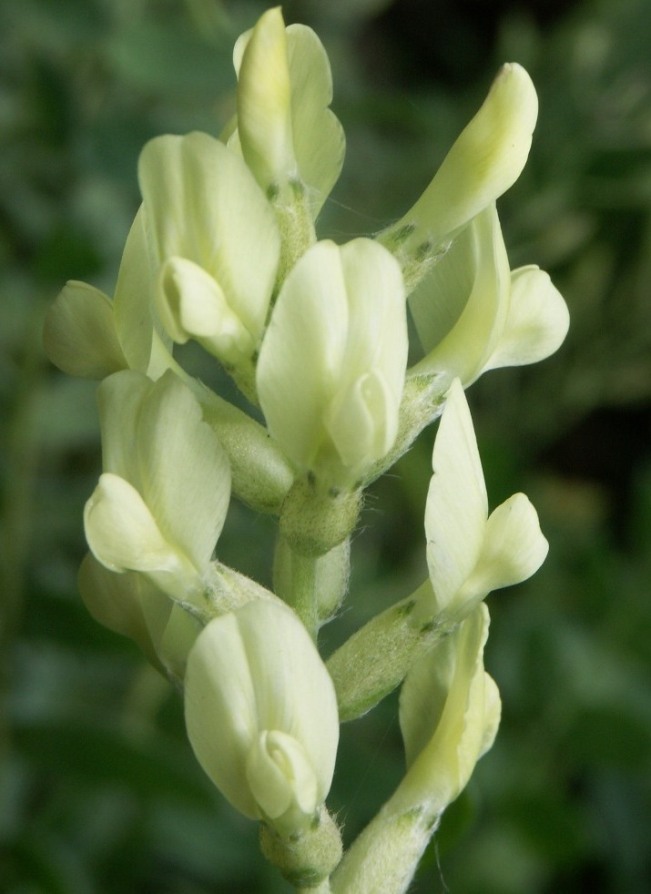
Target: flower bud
<point>215,241</point>
<point>261,714</point>
<point>285,128</point>
<point>331,368</point>
<point>264,102</point>
<point>161,503</point>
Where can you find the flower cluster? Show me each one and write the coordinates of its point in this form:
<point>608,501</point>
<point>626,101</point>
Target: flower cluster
<point>223,251</point>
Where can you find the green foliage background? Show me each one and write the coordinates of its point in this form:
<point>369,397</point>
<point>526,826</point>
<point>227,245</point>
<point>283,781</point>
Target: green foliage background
<point>99,791</point>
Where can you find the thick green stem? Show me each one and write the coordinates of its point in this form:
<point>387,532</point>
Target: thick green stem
<point>295,578</point>
<point>304,592</point>
<point>314,586</point>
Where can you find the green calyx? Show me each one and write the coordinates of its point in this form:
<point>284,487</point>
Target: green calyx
<point>314,521</point>
<point>308,859</point>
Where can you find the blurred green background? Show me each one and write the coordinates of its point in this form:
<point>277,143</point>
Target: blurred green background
<point>99,791</point>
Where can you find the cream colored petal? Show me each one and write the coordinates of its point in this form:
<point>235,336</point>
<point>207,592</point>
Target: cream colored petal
<point>481,720</point>
<point>120,399</point>
<point>308,710</point>
<point>177,636</point>
<point>362,418</point>
<point>486,159</point>
<point>263,102</point>
<point>238,52</point>
<point>319,142</point>
<point>118,601</point>
<point>220,710</point>
<point>253,671</point>
<point>112,599</point>
<point>440,299</point>
<point>423,696</point>
<point>190,301</point>
<point>280,774</point>
<point>121,531</point>
<point>300,362</point>
<point>377,327</point>
<point>492,714</point>
<point>537,323</point>
<point>134,298</point>
<point>184,472</point>
<point>363,421</point>
<point>514,547</point>
<point>192,304</point>
<point>457,508</point>
<point>79,334</point>
<point>445,736</point>
<point>460,308</point>
<point>203,204</point>
<point>154,437</point>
